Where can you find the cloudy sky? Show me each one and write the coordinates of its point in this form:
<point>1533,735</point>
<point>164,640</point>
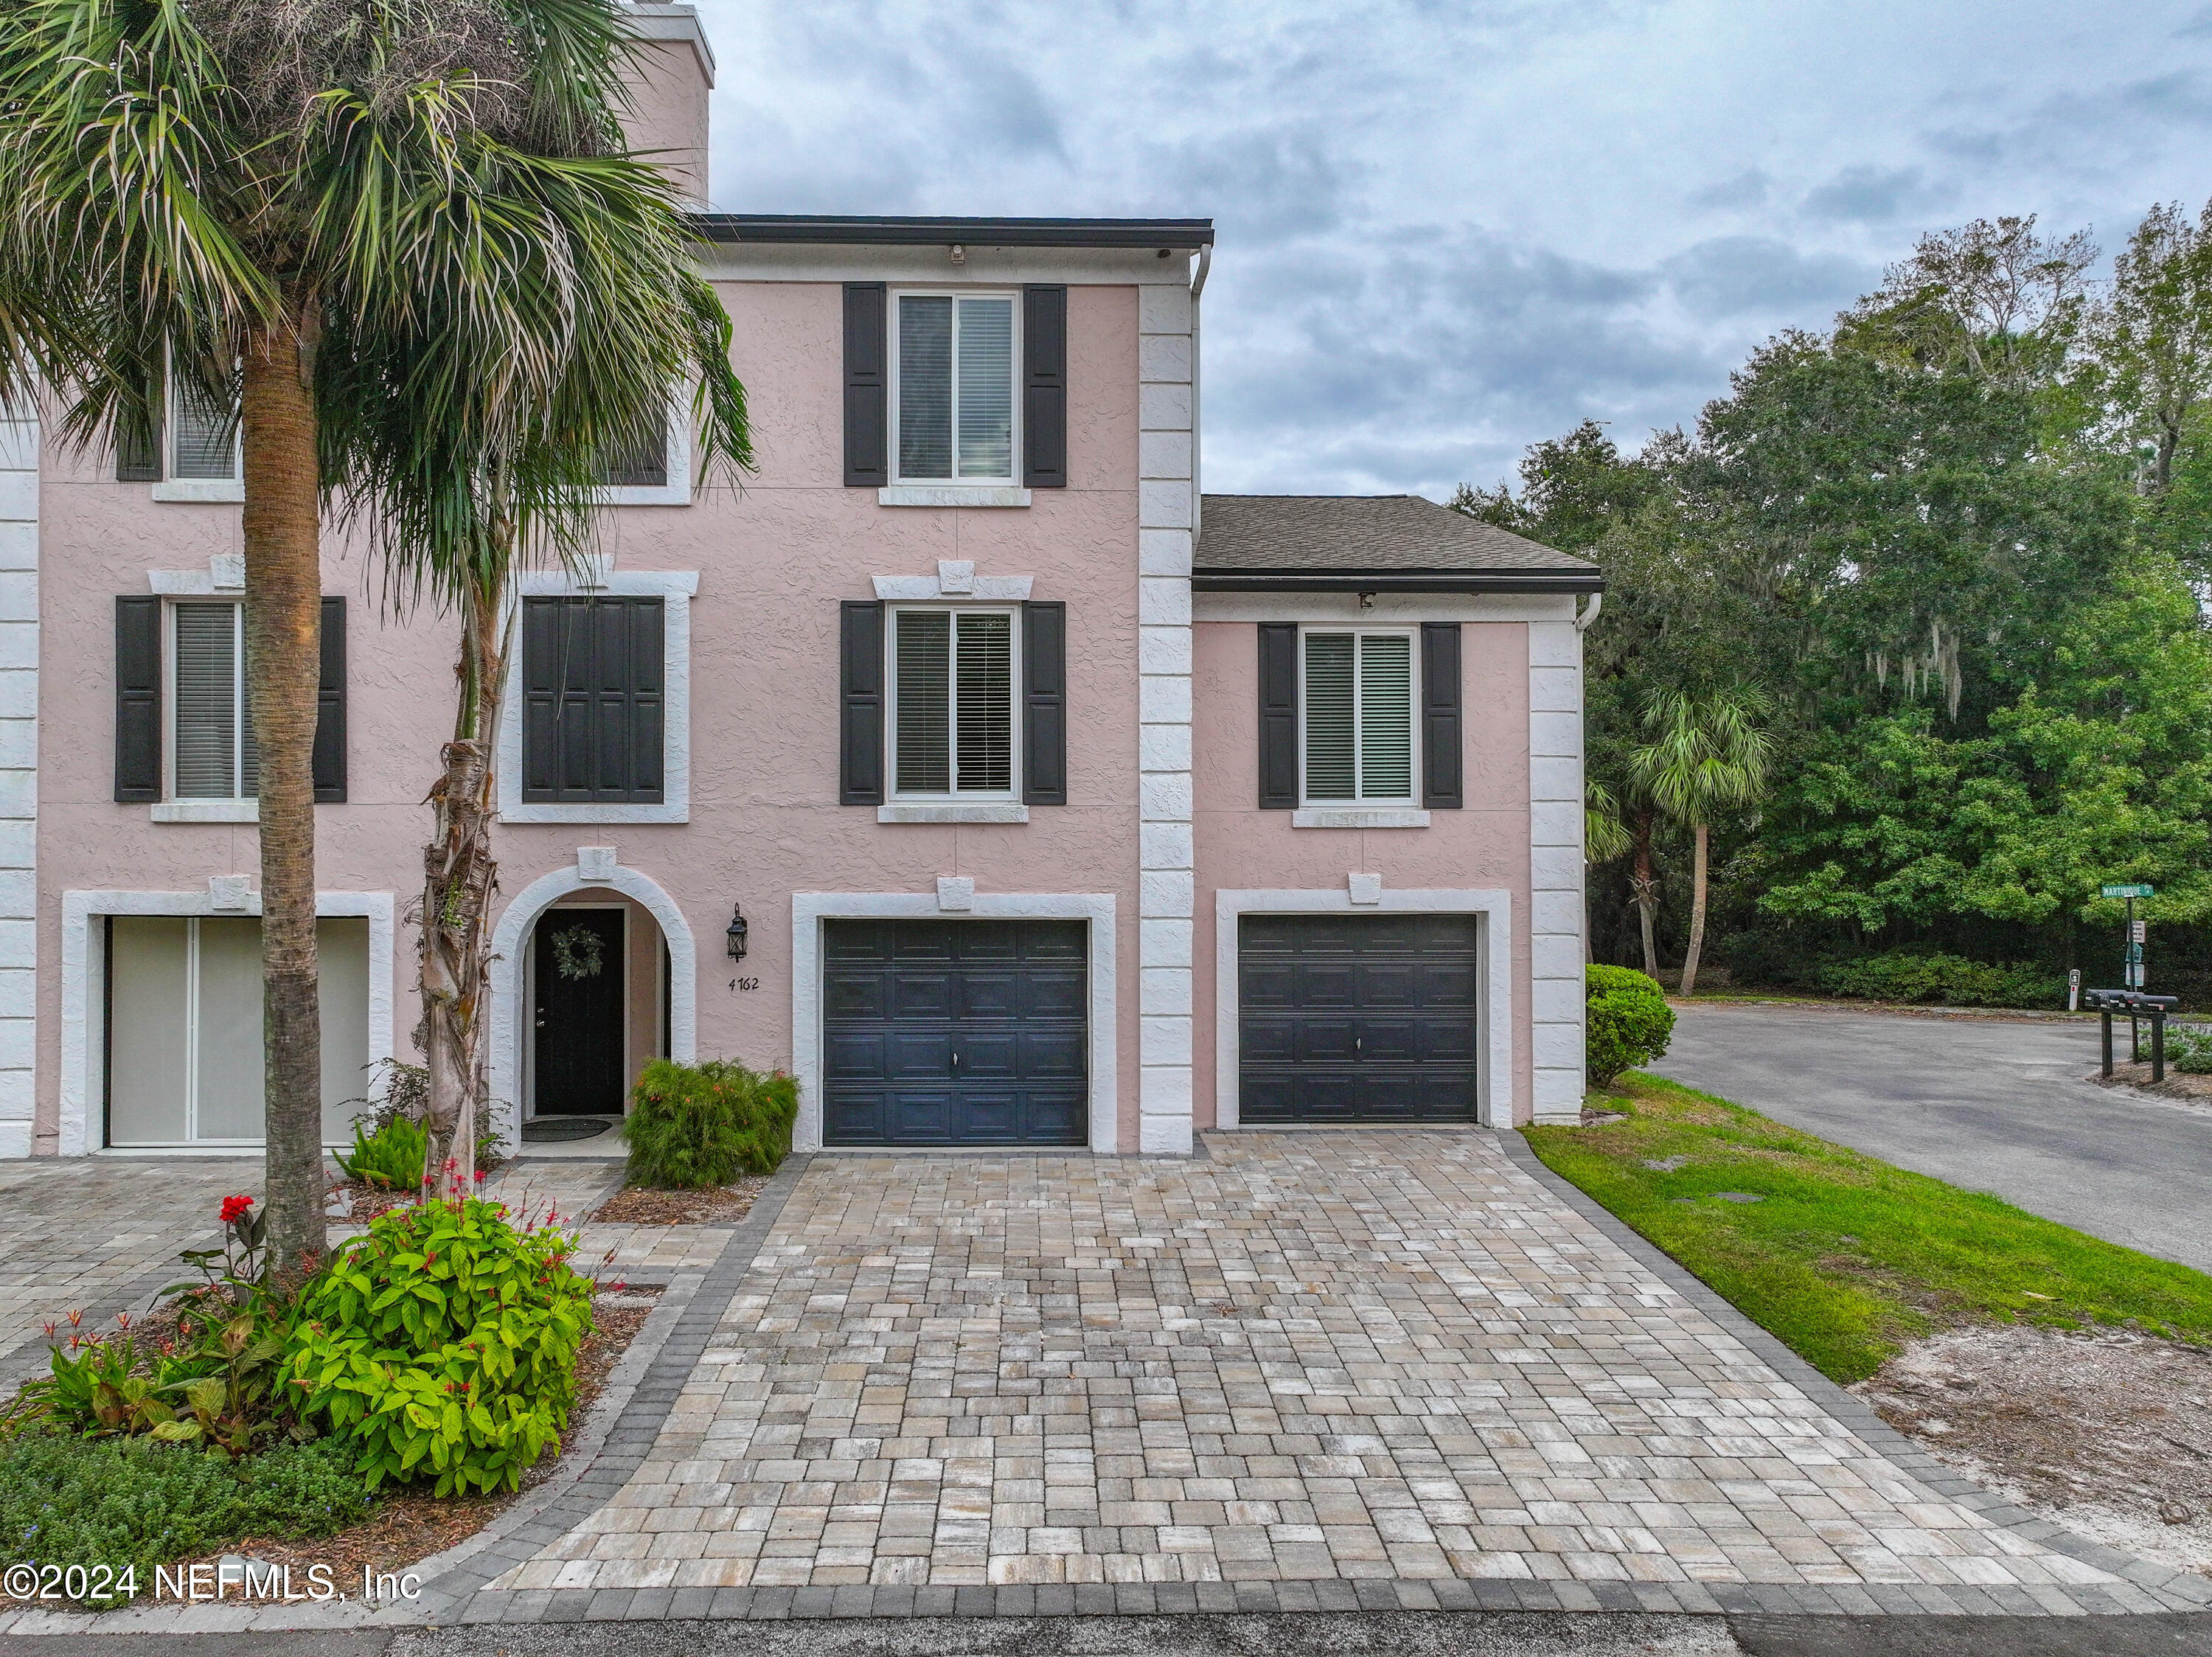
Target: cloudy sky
<point>1448,229</point>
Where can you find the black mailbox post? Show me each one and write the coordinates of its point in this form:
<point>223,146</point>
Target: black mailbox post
<point>2135,1004</point>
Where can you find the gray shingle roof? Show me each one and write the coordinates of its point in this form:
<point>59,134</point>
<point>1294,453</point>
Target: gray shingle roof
<point>1404,541</point>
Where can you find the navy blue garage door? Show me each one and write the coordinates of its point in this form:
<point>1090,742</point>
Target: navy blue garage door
<point>955,1033</point>
<point>1357,1018</point>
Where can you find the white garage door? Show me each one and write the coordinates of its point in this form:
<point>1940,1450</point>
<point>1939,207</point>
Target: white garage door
<point>183,1029</point>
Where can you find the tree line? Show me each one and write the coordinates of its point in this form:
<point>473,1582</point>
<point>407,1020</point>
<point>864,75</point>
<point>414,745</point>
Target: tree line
<point>1903,649</point>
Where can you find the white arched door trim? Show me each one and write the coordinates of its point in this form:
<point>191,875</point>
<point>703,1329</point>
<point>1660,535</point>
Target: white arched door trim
<point>596,870</point>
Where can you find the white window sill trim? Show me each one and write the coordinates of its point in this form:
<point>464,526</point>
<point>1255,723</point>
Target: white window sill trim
<point>1007,812</point>
<point>227,490</point>
<point>545,812</point>
<point>1358,817</point>
<point>208,811</point>
<point>952,494</point>
<point>643,495</point>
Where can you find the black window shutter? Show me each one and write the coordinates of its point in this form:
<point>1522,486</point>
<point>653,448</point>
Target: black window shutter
<point>1044,704</point>
<point>139,699</point>
<point>1441,789</point>
<point>329,763</point>
<point>139,446</point>
<point>594,700</point>
<point>1278,715</point>
<point>867,385</point>
<point>860,690</point>
<point>1044,388</point>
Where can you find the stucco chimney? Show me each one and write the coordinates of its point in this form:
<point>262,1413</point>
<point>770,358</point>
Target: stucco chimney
<point>670,80</point>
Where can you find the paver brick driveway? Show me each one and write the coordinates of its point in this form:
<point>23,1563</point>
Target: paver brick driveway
<point>1309,1356</point>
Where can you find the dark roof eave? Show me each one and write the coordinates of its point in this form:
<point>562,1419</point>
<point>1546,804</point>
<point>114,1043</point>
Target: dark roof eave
<point>1398,580</point>
<point>846,230</point>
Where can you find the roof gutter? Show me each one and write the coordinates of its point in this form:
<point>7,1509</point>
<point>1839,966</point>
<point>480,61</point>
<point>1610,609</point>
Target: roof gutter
<point>1399,581</point>
<point>883,232</point>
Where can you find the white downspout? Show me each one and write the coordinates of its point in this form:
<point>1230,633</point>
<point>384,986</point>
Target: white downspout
<point>1590,615</point>
<point>1197,286</point>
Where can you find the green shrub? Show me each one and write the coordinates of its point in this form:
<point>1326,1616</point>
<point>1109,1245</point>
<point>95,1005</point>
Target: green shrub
<point>1945,980</point>
<point>131,1503</point>
<point>443,1345</point>
<point>693,1126</point>
<point>1629,1021</point>
<point>391,1157</point>
<point>2188,1049</point>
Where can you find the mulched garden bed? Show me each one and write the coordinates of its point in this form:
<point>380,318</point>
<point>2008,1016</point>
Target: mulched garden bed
<point>2178,1085</point>
<point>638,1205</point>
<point>407,1525</point>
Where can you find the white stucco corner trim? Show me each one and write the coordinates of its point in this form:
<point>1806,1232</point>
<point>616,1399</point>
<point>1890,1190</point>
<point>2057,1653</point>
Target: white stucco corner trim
<point>1558,1003</point>
<point>1359,817</point>
<point>509,1006</point>
<point>21,443</point>
<point>1013,812</point>
<point>950,495</point>
<point>809,909</point>
<point>675,588</point>
<point>84,984</point>
<point>1493,1107</point>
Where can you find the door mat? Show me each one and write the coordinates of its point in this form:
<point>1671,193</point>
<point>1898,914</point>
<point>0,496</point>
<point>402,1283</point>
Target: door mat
<point>549,1128</point>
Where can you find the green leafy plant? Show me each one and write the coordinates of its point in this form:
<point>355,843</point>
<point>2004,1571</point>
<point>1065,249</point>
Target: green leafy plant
<point>126,1503</point>
<point>2188,1049</point>
<point>211,1386</point>
<point>1628,1021</point>
<point>692,1126</point>
<point>1947,980</point>
<point>443,1345</point>
<point>392,1156</point>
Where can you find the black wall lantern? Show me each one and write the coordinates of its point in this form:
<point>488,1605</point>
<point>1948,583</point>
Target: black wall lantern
<point>737,933</point>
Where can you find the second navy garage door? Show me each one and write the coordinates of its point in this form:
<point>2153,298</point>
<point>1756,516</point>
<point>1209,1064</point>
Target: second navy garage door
<point>1357,1018</point>
<point>955,1033</point>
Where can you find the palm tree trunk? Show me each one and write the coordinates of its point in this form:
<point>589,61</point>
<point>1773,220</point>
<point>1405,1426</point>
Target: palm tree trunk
<point>1700,834</point>
<point>460,876</point>
<point>1643,887</point>
<point>283,653</point>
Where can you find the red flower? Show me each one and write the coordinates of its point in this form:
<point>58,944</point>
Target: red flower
<point>479,1176</point>
<point>234,1207</point>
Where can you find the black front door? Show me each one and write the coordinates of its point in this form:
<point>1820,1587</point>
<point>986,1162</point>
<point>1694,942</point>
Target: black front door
<point>955,1033</point>
<point>1357,1018</point>
<point>578,1011</point>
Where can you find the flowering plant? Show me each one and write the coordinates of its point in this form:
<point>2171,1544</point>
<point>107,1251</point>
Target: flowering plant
<point>234,1270</point>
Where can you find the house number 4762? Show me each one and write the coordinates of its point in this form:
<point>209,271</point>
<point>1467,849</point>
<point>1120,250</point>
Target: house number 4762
<point>744,983</point>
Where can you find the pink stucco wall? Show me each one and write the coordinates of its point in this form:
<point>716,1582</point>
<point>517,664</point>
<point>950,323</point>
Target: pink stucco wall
<point>774,560</point>
<point>1241,847</point>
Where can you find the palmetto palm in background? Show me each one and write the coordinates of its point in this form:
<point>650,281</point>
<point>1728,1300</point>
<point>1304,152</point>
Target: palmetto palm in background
<point>404,240</point>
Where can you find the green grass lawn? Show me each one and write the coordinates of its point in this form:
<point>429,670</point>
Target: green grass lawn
<point>1846,1258</point>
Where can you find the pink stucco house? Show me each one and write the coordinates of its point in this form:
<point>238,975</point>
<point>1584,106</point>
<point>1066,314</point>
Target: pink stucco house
<point>1063,804</point>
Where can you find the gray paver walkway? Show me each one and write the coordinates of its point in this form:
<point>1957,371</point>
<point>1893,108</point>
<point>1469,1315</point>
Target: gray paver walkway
<point>1310,1359</point>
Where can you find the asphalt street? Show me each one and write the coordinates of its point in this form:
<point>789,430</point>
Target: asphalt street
<point>1994,1105</point>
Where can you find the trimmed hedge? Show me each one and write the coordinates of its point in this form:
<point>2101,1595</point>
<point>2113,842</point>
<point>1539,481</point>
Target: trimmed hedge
<point>692,1127</point>
<point>1943,980</point>
<point>1629,1022</point>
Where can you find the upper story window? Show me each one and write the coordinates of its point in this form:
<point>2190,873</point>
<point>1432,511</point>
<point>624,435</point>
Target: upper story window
<point>204,438</point>
<point>952,703</point>
<point>953,397</point>
<point>594,700</point>
<point>1357,717</point>
<point>211,750</point>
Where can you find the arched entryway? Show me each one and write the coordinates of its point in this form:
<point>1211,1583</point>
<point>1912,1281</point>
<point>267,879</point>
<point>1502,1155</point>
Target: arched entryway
<point>593,973</point>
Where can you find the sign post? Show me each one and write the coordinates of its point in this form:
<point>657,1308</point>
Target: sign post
<point>2132,951</point>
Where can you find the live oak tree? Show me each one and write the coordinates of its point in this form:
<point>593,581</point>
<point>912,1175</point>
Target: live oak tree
<point>401,238</point>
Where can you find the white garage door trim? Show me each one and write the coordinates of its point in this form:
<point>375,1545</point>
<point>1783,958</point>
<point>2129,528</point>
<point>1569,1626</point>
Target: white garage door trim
<point>809,909</point>
<point>1492,909</point>
<point>83,1089</point>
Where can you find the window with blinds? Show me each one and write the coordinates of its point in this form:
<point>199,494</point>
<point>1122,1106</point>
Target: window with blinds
<point>955,359</point>
<point>952,692</point>
<point>1358,716</point>
<point>203,436</point>
<point>212,754</point>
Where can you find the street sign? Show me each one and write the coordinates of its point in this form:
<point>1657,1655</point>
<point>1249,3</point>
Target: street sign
<point>2139,932</point>
<point>2131,891</point>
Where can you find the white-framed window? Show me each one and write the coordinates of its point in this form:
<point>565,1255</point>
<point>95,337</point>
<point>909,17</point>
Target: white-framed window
<point>656,472</point>
<point>952,673</point>
<point>1357,721</point>
<point>211,750</point>
<point>202,443</point>
<point>953,374</point>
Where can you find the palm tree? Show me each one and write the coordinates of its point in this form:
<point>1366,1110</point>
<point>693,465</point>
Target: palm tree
<point>1603,840</point>
<point>329,214</point>
<point>1706,756</point>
